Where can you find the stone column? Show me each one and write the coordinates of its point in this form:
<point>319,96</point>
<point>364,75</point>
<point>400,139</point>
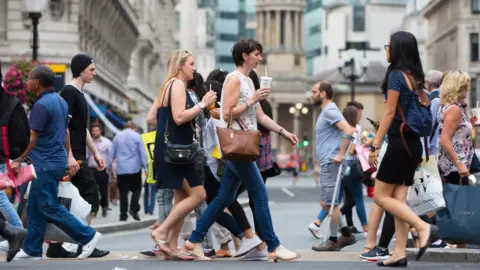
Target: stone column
<point>296,23</point>
<point>288,30</point>
<point>300,30</point>
<point>277,28</point>
<point>260,27</point>
<point>268,29</point>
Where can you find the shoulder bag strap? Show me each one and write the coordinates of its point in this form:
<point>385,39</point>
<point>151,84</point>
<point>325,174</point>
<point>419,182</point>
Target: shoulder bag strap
<point>167,121</point>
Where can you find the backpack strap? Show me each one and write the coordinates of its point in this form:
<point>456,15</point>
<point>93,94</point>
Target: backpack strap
<point>404,127</point>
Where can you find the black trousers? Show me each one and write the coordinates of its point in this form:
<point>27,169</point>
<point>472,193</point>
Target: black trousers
<point>101,177</point>
<point>347,207</point>
<point>129,183</point>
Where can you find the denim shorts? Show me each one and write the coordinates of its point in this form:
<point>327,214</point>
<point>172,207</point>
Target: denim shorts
<point>328,178</point>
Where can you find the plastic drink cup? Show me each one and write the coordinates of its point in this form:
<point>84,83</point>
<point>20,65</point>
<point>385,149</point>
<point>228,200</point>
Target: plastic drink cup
<point>266,82</point>
<point>476,116</point>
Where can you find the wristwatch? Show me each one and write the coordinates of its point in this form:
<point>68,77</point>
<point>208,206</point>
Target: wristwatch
<point>201,105</point>
<point>373,148</point>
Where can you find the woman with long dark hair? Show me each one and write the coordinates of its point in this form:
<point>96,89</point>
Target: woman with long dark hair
<point>403,80</point>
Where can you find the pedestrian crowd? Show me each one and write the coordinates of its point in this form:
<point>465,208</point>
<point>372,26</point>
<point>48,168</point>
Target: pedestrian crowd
<point>211,142</point>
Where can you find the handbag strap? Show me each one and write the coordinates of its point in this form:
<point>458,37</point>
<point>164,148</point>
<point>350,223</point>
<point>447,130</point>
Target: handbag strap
<point>6,149</point>
<point>240,122</point>
<point>403,126</point>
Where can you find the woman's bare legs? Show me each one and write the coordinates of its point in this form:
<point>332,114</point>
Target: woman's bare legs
<point>374,220</point>
<point>401,229</point>
<point>186,199</point>
<point>384,197</point>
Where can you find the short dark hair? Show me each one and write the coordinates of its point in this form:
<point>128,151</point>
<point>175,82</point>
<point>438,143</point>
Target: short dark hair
<point>197,85</point>
<point>96,125</point>
<point>350,113</point>
<point>327,88</point>
<point>218,75</point>
<point>355,104</point>
<point>256,82</point>
<point>245,46</point>
<point>44,75</point>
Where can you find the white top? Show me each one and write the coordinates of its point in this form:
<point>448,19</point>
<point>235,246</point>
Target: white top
<point>358,141</point>
<point>247,90</point>
<point>210,140</point>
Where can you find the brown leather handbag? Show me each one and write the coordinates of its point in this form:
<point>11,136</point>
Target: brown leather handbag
<point>238,145</point>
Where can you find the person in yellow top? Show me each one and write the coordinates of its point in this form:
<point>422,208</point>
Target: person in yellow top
<point>150,188</point>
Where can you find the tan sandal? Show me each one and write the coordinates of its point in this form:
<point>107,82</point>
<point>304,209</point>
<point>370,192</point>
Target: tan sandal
<point>196,252</point>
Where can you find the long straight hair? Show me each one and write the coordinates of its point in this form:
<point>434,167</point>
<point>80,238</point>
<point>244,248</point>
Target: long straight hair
<point>404,56</point>
<point>175,61</point>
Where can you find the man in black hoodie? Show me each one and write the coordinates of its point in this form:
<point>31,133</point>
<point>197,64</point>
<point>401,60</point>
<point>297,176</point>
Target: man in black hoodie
<point>14,117</point>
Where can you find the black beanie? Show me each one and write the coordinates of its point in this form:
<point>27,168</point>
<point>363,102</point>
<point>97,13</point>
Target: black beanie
<point>79,63</point>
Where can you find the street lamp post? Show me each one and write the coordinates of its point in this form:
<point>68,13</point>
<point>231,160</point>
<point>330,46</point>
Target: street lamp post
<point>34,8</point>
<point>352,76</point>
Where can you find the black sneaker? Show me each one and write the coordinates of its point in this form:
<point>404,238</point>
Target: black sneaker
<point>375,254</point>
<point>354,230</point>
<point>97,253</point>
<point>210,253</point>
<point>55,250</point>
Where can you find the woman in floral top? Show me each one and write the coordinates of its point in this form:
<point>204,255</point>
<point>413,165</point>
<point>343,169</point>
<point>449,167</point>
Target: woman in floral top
<point>456,144</point>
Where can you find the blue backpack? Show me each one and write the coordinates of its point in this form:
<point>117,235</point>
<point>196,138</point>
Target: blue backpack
<point>418,120</point>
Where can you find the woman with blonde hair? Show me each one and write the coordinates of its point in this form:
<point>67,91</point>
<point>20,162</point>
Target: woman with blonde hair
<point>175,114</point>
<point>456,144</point>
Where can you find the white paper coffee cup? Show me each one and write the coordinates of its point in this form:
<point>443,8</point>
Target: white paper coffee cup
<point>476,116</point>
<point>265,82</point>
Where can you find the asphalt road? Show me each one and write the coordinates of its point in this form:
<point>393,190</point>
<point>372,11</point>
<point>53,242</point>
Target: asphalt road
<point>292,210</point>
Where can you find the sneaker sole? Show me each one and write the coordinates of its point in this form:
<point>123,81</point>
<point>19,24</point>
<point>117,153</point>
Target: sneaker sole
<point>263,258</point>
<point>313,233</point>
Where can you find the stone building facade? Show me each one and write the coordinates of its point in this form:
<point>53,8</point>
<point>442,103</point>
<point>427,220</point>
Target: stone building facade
<point>280,25</point>
<point>129,39</point>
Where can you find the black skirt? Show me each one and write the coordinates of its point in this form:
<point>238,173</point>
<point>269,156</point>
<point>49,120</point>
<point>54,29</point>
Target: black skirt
<point>397,166</point>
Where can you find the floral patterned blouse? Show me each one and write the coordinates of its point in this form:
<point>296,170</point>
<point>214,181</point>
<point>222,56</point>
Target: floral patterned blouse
<point>461,140</point>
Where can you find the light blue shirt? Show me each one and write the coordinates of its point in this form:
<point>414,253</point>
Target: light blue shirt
<point>129,152</point>
<point>328,136</point>
<point>434,108</point>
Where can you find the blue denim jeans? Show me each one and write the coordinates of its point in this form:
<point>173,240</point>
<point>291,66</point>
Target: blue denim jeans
<point>6,206</point>
<point>234,174</point>
<point>43,207</point>
<point>149,194</point>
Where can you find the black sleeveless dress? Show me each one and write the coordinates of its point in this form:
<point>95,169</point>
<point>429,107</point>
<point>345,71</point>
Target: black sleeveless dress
<point>170,176</point>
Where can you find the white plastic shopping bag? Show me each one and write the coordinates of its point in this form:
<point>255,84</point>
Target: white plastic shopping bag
<point>426,193</point>
<point>69,197</point>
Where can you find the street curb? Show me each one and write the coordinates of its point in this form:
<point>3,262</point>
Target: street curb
<point>446,255</point>
<point>116,227</point>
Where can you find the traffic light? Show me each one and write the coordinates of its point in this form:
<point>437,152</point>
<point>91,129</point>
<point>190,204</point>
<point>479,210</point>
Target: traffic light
<point>305,141</point>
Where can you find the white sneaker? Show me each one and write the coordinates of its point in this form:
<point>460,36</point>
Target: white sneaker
<point>21,255</point>
<point>70,247</point>
<point>247,245</point>
<point>87,249</point>
<point>4,246</point>
<point>255,255</point>
<point>315,230</point>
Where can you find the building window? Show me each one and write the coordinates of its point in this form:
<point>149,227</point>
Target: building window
<point>227,37</point>
<point>475,6</point>
<point>325,50</point>
<point>356,45</point>
<point>177,21</point>
<point>228,15</point>
<point>3,20</point>
<point>474,46</point>
<point>314,53</point>
<point>224,59</point>
<point>313,5</point>
<point>251,33</point>
<point>358,18</point>
<point>315,29</point>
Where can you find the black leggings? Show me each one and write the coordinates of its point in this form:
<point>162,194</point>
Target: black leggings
<point>347,207</point>
<point>212,186</point>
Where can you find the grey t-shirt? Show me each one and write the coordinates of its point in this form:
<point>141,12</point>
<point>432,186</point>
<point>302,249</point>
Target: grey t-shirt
<point>328,136</point>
